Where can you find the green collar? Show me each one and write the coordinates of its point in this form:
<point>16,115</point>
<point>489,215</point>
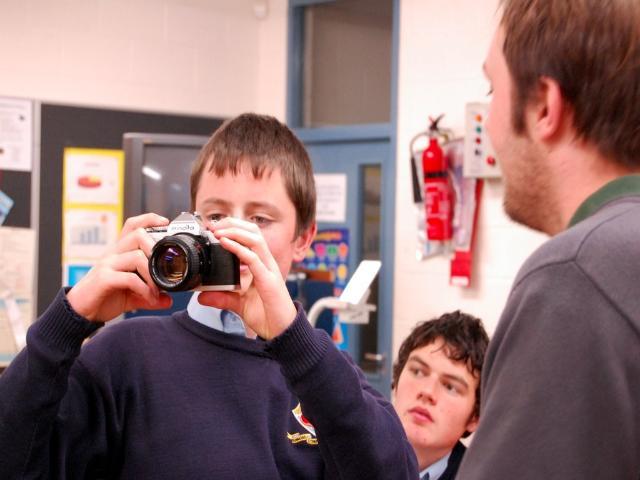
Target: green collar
<point>620,187</point>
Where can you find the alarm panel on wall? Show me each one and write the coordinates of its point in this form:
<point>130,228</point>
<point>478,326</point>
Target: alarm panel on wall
<point>479,157</point>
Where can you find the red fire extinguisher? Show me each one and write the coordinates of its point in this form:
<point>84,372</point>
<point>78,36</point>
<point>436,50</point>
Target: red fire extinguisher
<point>438,195</point>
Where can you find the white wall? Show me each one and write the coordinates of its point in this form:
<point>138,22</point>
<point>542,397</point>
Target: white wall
<point>272,59</point>
<point>202,57</point>
<point>442,48</point>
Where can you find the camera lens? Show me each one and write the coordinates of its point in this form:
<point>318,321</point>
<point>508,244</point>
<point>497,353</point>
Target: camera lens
<point>172,263</point>
<point>176,263</point>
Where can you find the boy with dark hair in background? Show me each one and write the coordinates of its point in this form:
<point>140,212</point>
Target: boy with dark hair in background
<point>436,388</point>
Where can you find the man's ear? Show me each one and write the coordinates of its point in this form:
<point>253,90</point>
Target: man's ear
<point>549,110</point>
<point>303,241</point>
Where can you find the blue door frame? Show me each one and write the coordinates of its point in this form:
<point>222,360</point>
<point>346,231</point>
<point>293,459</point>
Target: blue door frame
<point>373,132</point>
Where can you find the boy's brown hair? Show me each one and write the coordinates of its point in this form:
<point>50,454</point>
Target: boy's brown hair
<point>465,340</point>
<point>263,144</point>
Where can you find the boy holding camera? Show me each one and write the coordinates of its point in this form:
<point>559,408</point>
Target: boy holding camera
<point>169,397</point>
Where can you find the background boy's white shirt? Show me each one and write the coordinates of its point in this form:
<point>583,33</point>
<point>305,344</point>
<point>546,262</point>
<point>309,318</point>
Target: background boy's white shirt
<point>435,470</point>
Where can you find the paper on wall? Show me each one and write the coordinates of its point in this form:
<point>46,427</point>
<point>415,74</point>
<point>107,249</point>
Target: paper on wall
<point>16,134</point>
<point>17,276</point>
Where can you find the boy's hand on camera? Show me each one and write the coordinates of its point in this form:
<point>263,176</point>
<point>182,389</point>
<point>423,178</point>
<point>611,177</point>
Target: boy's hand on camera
<point>265,305</point>
<point>120,281</point>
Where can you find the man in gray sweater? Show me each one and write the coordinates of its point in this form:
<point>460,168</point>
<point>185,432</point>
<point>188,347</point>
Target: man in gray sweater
<point>561,380</point>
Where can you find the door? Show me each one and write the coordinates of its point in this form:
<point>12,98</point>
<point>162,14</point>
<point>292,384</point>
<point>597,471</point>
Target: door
<point>361,162</point>
<point>342,71</point>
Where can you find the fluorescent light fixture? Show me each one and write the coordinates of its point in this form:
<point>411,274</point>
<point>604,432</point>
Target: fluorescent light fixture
<point>151,173</point>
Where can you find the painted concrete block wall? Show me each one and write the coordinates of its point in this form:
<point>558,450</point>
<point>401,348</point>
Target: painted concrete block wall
<point>203,57</point>
<point>272,59</point>
<point>443,45</point>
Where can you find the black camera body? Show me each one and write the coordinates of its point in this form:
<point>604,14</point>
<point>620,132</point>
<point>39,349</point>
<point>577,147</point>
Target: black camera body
<point>187,256</point>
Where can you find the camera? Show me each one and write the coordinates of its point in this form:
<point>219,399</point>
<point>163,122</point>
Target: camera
<point>187,256</point>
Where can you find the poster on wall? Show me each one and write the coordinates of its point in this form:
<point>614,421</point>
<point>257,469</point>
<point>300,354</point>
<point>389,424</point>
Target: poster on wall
<point>73,273</point>
<point>6,204</point>
<point>329,251</point>
<point>92,206</point>
<point>92,176</point>
<point>16,134</point>
<point>88,233</point>
<point>17,277</point>
<point>331,201</point>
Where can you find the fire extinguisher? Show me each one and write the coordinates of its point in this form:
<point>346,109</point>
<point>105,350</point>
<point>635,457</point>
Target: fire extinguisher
<point>438,194</point>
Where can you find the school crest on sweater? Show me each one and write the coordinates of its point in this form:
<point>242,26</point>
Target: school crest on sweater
<point>308,438</point>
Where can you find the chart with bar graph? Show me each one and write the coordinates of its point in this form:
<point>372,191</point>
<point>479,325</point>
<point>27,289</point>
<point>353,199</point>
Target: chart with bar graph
<point>89,235</point>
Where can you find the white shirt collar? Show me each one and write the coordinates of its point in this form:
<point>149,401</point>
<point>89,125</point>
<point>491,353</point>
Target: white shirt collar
<point>437,469</point>
<point>209,316</point>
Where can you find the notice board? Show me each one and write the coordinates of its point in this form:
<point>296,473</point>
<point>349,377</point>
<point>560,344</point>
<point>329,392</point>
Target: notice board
<point>65,126</point>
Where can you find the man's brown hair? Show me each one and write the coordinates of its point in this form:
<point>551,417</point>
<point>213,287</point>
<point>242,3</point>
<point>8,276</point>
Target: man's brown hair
<point>591,48</point>
<point>263,144</point>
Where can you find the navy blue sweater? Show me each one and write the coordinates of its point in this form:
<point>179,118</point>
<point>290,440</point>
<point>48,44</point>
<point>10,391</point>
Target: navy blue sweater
<point>168,398</point>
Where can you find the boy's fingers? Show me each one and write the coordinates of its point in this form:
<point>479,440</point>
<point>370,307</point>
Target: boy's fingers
<point>248,235</point>
<point>162,302</point>
<point>230,222</point>
<point>135,239</point>
<point>221,300</point>
<point>127,271</point>
<point>134,236</point>
<point>143,221</point>
<point>135,261</point>
<point>103,284</point>
<point>132,282</point>
<point>241,242</point>
<point>258,265</point>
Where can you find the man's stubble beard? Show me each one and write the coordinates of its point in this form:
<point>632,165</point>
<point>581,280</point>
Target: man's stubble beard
<point>527,196</point>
